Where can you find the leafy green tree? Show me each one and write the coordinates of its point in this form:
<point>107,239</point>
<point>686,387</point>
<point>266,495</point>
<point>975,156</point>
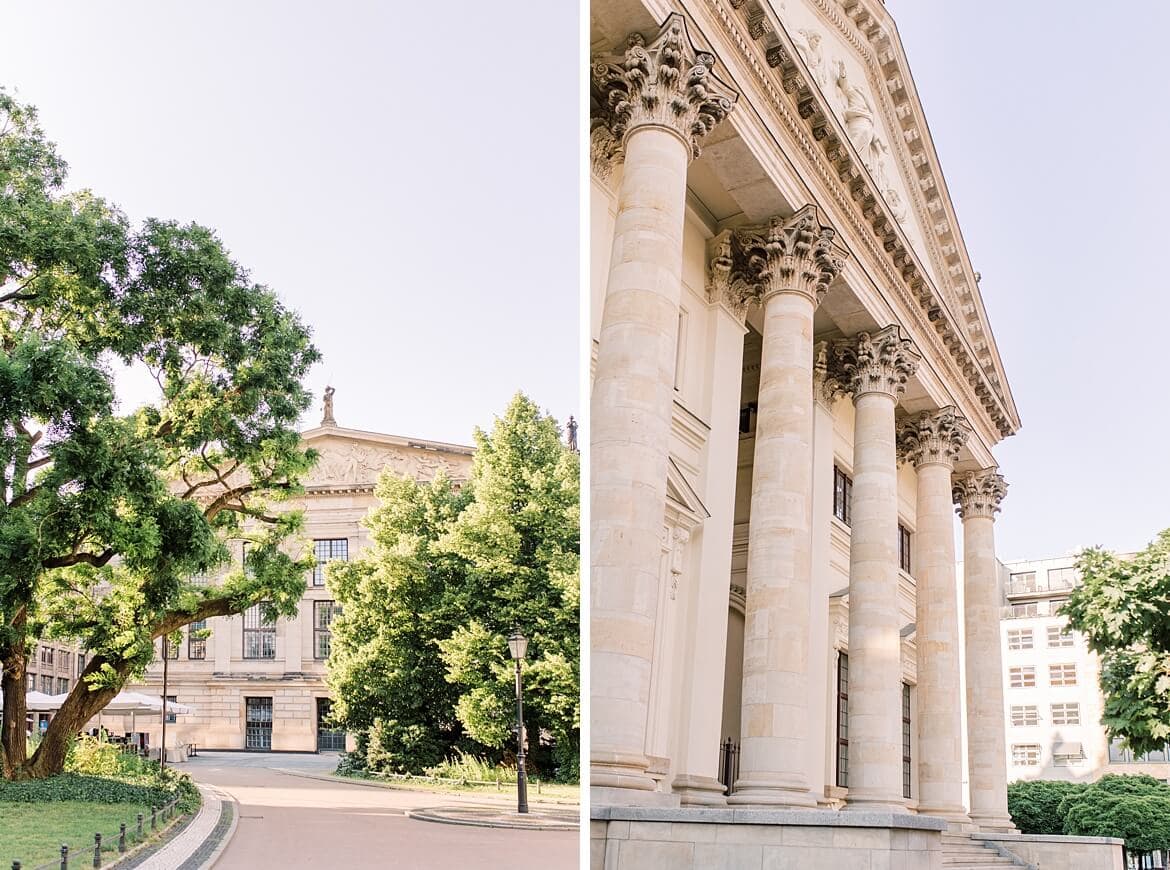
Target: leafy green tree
<point>1122,606</point>
<point>1035,805</point>
<point>1135,808</point>
<point>448,579</point>
<point>105,517</point>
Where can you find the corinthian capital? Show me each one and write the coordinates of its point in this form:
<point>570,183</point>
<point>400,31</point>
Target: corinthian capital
<point>720,288</point>
<point>933,437</point>
<point>878,362</point>
<point>978,493</point>
<point>799,254</point>
<point>668,83</point>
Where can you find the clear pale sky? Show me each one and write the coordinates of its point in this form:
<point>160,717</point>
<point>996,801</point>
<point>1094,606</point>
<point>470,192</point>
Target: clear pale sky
<point>1051,123</point>
<point>404,175</point>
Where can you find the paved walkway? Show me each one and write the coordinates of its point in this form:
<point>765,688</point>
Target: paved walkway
<point>288,820</point>
<point>193,841</point>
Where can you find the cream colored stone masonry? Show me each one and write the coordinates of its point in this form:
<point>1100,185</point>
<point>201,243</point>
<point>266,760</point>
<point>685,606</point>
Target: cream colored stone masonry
<point>339,493</point>
<point>792,369</point>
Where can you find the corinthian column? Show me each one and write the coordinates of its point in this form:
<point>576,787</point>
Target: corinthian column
<point>978,494</point>
<point>931,441</point>
<point>787,266</point>
<point>657,102</point>
<point>875,369</point>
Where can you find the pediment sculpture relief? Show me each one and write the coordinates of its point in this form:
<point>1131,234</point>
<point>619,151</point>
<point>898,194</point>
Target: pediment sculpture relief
<point>853,107</point>
<point>362,464</point>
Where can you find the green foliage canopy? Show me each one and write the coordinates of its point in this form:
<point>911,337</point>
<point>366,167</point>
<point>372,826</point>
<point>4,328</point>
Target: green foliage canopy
<point>1122,606</point>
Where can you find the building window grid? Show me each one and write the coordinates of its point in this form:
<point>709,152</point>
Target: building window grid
<point>259,633</point>
<point>843,720</point>
<point>172,718</point>
<point>1022,677</point>
<point>328,550</point>
<point>62,685</point>
<point>1026,754</point>
<point>196,646</point>
<point>47,656</point>
<point>904,548</point>
<point>80,663</point>
<point>1024,715</point>
<point>842,496</point>
<point>1068,713</point>
<point>1020,638</point>
<point>1060,636</point>
<point>1118,754</point>
<point>1062,674</point>
<point>906,760</point>
<point>323,613</point>
<point>1062,578</point>
<point>47,684</point>
<point>170,650</point>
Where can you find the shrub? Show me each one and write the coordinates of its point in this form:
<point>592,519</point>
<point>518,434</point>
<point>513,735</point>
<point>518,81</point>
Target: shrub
<point>1142,820</point>
<point>471,768</point>
<point>1037,806</point>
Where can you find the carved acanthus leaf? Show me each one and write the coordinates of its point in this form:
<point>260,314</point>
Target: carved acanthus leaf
<point>879,362</point>
<point>933,437</point>
<point>799,254</point>
<point>668,83</point>
<point>978,493</point>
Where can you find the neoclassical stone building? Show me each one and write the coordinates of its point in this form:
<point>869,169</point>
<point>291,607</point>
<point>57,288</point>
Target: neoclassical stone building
<point>795,386</point>
<point>260,685</point>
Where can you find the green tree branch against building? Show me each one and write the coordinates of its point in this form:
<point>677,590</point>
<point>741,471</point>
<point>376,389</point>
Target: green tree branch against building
<point>1122,606</point>
<point>105,516</point>
<point>420,659</point>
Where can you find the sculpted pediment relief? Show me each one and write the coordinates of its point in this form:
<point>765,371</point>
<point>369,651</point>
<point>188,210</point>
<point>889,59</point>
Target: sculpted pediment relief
<point>347,462</point>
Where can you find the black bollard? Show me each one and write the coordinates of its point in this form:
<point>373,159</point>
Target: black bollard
<point>97,850</point>
<point>64,856</point>
<point>140,826</point>
<point>122,837</point>
<point>153,814</point>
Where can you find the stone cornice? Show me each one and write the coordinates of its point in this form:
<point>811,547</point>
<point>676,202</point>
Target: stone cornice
<point>819,136</point>
<point>932,438</point>
<point>798,254</point>
<point>667,83</point>
<point>978,493</point>
<point>878,362</point>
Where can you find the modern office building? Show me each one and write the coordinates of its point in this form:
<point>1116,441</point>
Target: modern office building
<point>1053,699</point>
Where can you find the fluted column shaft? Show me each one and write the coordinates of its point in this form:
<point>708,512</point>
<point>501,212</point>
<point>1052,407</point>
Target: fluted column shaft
<point>979,495</point>
<point>661,97</point>
<point>932,441</point>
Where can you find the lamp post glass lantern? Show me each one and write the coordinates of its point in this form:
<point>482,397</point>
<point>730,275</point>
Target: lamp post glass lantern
<point>518,646</point>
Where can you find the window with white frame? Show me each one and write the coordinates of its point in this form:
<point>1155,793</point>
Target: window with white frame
<point>1062,578</point>
<point>1019,638</point>
<point>1025,754</point>
<point>328,550</point>
<point>1068,713</point>
<point>1025,581</point>
<point>1025,608</point>
<point>259,633</point>
<point>1024,715</point>
<point>1022,677</point>
<point>1060,635</point>
<point>1064,674</point>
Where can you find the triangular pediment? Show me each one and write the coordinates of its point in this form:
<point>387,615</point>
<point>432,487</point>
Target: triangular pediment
<point>354,459</point>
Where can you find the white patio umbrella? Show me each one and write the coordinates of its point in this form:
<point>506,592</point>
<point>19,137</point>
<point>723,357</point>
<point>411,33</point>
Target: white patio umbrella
<point>39,702</point>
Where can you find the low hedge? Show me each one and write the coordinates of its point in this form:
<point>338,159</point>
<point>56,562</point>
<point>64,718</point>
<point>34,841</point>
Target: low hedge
<point>76,787</point>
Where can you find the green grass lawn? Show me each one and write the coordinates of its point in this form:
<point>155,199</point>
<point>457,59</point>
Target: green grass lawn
<point>33,832</point>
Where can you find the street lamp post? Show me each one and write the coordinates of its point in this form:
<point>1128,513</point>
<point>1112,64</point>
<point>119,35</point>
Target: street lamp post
<point>518,645</point>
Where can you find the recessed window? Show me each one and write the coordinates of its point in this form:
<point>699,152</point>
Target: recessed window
<point>46,684</point>
<point>1059,636</point>
<point>842,496</point>
<point>1019,638</point>
<point>906,765</point>
<point>904,548</point>
<point>196,642</point>
<point>47,655</point>
<point>842,720</point>
<point>1062,578</point>
<point>323,613</point>
<point>328,550</point>
<point>259,633</point>
<point>1024,715</point>
<point>1066,714</point>
<point>172,718</point>
<point>1025,608</point>
<point>1025,581</point>
<point>1022,677</point>
<point>1062,675</point>
<point>1025,754</point>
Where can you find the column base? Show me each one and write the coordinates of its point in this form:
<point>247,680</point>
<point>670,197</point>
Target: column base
<point>876,803</point>
<point>699,791</point>
<point>621,771</point>
<point>994,824</point>
<point>956,817</point>
<point>763,791</point>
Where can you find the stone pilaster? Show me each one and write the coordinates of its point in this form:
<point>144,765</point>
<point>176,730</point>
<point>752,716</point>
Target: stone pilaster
<point>931,442</point>
<point>874,368</point>
<point>657,102</point>
<point>978,495</point>
<point>787,267</point>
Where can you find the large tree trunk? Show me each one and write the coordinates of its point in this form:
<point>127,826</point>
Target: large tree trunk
<point>14,684</point>
<point>81,706</point>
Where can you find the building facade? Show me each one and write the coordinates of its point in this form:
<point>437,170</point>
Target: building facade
<point>259,685</point>
<point>1051,685</point>
<point>795,386</point>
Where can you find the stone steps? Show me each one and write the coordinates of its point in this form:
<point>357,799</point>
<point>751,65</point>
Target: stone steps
<point>960,852</point>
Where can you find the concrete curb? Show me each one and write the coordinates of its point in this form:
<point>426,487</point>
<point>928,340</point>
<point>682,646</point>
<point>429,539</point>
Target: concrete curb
<point>233,806</point>
<point>459,816</point>
<point>366,783</point>
<point>180,849</point>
